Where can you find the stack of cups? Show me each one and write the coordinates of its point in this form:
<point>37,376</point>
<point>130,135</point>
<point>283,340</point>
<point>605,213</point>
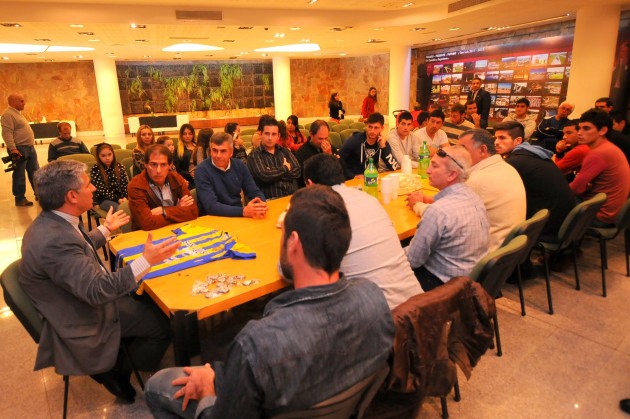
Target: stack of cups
<point>387,189</point>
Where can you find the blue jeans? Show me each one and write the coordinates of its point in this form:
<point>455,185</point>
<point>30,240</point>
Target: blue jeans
<point>28,164</point>
<point>159,391</point>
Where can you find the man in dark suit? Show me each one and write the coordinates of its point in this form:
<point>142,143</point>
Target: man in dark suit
<point>482,99</point>
<point>86,309</point>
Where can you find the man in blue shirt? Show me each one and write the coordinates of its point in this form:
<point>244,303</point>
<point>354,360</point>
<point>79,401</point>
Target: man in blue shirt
<point>220,180</point>
<point>312,343</point>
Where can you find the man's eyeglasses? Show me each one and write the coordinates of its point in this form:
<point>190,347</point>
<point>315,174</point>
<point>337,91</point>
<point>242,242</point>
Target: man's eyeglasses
<point>441,153</point>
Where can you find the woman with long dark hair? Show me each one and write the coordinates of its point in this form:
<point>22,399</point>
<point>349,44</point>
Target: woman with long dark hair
<point>335,108</point>
<point>295,138</point>
<point>109,178</point>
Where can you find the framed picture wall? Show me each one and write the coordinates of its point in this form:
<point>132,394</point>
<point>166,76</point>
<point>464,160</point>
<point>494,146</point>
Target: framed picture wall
<point>537,70</point>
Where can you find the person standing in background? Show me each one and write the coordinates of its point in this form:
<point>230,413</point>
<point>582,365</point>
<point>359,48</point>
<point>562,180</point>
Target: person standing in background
<point>20,140</point>
<point>369,103</point>
<point>335,108</point>
<point>240,152</point>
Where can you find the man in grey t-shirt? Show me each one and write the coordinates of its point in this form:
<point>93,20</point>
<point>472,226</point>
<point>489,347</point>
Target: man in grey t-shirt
<point>20,140</point>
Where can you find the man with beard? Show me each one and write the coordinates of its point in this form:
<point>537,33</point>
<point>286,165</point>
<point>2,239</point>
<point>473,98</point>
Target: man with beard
<point>271,366</point>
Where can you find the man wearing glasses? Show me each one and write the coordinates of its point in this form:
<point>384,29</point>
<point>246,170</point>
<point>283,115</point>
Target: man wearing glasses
<point>549,131</point>
<point>453,233</point>
<point>157,196</point>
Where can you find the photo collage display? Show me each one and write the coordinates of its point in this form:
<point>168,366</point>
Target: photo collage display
<point>541,77</point>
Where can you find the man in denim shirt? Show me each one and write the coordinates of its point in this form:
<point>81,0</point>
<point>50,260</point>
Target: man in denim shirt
<point>312,343</point>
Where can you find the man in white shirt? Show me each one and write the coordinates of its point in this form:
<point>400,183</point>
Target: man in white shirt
<point>497,183</point>
<point>401,141</point>
<point>432,133</point>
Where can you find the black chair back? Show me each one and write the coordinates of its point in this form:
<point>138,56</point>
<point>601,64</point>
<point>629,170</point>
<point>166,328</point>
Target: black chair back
<point>350,403</point>
<point>494,269</point>
<point>579,220</point>
<point>20,303</point>
<point>532,228</point>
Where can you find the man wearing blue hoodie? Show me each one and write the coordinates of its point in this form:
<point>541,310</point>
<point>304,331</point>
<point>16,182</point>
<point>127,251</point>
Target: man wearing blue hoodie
<point>545,185</point>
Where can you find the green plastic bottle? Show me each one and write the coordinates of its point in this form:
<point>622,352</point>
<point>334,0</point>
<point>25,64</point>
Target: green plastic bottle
<point>423,160</point>
<point>370,179</point>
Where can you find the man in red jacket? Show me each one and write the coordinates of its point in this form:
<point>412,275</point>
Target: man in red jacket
<point>157,196</point>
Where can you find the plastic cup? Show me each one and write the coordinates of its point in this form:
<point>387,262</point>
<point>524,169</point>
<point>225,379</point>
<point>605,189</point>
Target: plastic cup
<point>386,190</point>
<point>395,182</point>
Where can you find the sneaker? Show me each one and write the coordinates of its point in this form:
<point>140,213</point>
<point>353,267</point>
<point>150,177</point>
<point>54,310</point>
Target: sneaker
<point>24,203</point>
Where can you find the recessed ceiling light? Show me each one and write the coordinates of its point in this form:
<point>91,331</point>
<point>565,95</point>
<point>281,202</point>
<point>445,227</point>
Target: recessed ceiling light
<point>305,40</point>
<point>78,56</point>
<point>178,53</point>
<point>177,58</point>
<point>191,48</point>
<point>311,2</point>
<point>5,58</point>
<point>436,39</point>
<point>295,28</point>
<point>375,41</point>
<point>269,40</point>
<point>111,56</point>
<point>42,40</point>
<point>243,53</point>
<point>291,48</point>
<point>141,40</point>
<point>417,29</point>
<point>208,55</point>
<point>265,55</point>
<point>11,25</point>
<point>137,26</point>
<point>408,4</point>
<point>378,29</point>
<point>342,54</point>
<point>279,35</point>
<point>94,40</point>
<point>455,28</point>
<point>228,40</point>
<point>76,25</point>
<point>146,56</point>
<point>49,60</point>
<point>86,33</point>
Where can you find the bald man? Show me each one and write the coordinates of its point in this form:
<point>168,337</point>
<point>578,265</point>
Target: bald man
<point>20,140</point>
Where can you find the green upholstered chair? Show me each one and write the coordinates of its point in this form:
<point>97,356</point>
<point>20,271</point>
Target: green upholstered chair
<point>571,232</point>
<point>622,223</point>
<point>494,269</point>
<point>532,228</point>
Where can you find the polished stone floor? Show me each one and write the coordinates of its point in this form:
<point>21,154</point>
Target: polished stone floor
<point>574,364</point>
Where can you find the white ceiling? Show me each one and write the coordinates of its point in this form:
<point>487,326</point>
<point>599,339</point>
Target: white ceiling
<point>360,20</point>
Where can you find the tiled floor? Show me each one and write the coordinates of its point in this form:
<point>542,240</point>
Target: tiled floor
<point>574,364</point>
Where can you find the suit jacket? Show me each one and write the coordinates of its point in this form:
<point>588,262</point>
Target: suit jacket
<point>142,199</point>
<point>483,105</point>
<point>76,297</point>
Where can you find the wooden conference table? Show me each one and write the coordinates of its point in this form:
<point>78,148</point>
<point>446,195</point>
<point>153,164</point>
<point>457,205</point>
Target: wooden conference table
<point>172,292</point>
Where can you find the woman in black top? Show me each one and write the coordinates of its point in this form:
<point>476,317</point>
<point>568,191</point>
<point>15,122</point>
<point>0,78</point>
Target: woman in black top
<point>183,153</point>
<point>336,108</point>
